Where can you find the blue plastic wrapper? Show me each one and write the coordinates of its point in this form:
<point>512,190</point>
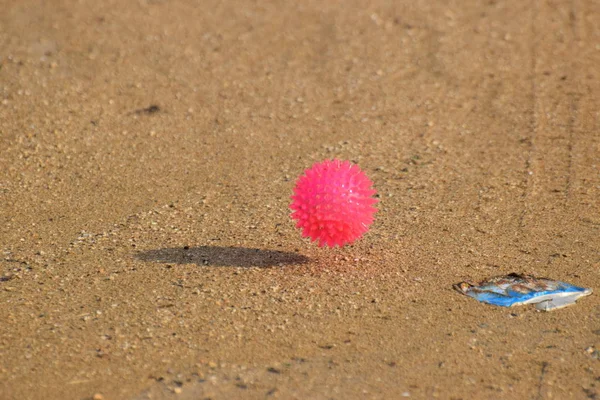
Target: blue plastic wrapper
<point>515,289</point>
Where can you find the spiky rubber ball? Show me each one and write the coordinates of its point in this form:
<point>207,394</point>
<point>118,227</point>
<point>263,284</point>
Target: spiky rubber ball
<point>332,203</point>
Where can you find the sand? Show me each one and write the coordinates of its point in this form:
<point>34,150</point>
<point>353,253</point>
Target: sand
<point>148,150</point>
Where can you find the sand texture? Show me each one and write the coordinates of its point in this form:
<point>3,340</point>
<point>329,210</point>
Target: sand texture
<point>149,148</point>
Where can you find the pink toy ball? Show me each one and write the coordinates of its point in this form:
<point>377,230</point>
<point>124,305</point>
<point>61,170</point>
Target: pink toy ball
<point>332,203</point>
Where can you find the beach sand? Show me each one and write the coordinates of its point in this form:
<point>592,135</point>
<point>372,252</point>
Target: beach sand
<point>148,151</point>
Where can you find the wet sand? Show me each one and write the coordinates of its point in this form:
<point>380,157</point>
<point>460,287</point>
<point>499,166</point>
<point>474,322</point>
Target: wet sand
<point>149,150</point>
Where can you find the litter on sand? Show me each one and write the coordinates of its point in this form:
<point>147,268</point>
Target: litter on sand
<point>516,289</point>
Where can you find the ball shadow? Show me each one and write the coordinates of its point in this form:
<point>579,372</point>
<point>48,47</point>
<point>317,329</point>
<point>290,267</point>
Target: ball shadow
<point>222,256</point>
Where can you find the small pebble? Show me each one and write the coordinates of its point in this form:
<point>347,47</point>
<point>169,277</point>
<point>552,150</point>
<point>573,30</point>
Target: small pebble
<point>98,396</point>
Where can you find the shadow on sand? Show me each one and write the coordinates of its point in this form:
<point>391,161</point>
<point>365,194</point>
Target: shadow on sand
<point>222,256</point>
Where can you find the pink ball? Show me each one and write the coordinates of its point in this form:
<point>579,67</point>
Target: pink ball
<point>332,203</point>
